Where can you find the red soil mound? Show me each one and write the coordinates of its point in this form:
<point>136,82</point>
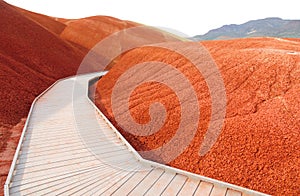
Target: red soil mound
<point>32,57</point>
<point>259,146</point>
<point>89,31</point>
<point>50,23</point>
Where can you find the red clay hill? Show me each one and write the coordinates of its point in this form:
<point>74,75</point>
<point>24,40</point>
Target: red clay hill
<point>35,51</point>
<point>259,146</point>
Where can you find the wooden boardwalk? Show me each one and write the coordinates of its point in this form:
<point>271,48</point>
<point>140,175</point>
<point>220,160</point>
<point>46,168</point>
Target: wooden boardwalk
<point>69,148</point>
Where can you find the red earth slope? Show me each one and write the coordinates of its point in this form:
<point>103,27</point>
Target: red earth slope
<point>31,59</point>
<point>50,23</point>
<point>33,55</point>
<point>89,31</point>
<point>259,146</point>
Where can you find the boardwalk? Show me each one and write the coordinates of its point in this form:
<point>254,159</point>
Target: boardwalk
<point>68,148</point>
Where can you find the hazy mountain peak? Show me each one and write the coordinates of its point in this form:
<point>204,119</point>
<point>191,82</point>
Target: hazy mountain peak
<point>267,27</point>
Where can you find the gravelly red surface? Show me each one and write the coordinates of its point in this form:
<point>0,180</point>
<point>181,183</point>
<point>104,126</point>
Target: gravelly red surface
<point>259,146</point>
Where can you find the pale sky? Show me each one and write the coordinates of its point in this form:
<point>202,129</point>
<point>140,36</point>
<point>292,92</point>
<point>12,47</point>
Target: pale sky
<point>191,17</point>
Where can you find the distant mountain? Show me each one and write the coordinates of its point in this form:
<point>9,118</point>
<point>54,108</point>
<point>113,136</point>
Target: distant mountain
<point>268,27</point>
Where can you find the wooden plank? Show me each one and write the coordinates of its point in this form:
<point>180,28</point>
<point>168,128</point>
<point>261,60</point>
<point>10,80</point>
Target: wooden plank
<point>204,189</point>
<point>26,155</point>
<point>27,182</point>
<point>107,185</point>
<point>218,191</point>
<point>231,192</point>
<point>147,182</point>
<point>175,186</point>
<point>53,183</point>
<point>55,171</point>
<point>131,183</point>
<point>107,157</point>
<point>161,184</point>
<point>64,133</point>
<point>189,187</point>
<point>27,150</point>
<point>41,157</point>
<point>21,170</point>
<point>116,184</point>
<point>55,159</point>
<point>98,183</point>
<point>64,143</point>
<point>70,187</point>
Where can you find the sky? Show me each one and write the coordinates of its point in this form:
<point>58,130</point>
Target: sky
<point>190,17</point>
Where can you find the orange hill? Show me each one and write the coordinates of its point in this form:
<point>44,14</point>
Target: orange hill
<point>258,147</point>
<point>35,51</point>
<point>89,31</point>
